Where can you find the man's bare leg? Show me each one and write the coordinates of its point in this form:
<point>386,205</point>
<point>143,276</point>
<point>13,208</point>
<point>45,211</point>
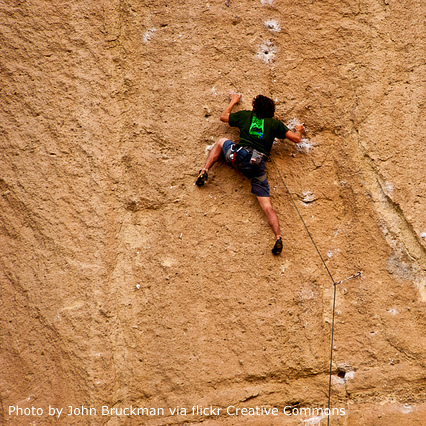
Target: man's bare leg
<point>214,154</point>
<point>265,204</point>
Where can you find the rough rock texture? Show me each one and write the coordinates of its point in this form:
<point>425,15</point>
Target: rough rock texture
<point>123,284</point>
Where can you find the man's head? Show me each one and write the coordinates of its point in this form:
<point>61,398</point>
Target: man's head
<point>263,107</point>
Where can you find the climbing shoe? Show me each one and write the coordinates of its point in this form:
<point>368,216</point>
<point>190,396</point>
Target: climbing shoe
<point>278,247</point>
<point>202,177</point>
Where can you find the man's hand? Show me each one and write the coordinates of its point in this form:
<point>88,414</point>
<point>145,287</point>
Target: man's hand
<point>235,97</point>
<point>296,136</point>
<point>300,128</point>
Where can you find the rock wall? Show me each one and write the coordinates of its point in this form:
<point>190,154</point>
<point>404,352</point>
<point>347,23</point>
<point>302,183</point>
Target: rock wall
<point>123,284</point>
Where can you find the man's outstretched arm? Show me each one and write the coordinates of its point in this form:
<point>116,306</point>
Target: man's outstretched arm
<point>235,98</point>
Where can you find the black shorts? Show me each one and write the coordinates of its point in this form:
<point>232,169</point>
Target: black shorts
<point>256,174</point>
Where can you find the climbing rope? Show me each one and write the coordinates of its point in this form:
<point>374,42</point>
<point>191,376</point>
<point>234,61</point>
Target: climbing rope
<point>301,218</point>
<point>335,283</point>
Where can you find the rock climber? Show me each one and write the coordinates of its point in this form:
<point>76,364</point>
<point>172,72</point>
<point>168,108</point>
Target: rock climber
<point>258,130</point>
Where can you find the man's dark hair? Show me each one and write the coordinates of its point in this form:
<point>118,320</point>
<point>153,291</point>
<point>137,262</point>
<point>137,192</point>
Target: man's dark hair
<point>263,107</point>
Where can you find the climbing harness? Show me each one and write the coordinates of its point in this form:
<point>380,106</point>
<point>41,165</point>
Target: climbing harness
<point>256,157</point>
<point>234,155</point>
<point>335,283</point>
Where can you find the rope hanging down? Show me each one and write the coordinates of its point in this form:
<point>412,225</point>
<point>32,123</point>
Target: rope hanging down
<point>358,274</point>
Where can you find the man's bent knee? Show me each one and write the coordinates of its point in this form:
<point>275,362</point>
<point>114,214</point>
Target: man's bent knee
<point>269,210</point>
<point>221,141</point>
<point>265,202</point>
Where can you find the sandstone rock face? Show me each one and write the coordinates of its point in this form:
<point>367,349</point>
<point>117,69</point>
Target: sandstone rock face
<point>124,285</point>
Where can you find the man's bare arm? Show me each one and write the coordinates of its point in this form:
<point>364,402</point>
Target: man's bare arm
<point>296,136</point>
<point>235,98</point>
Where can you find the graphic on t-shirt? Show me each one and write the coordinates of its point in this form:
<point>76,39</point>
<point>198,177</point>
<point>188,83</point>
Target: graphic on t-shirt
<point>257,127</point>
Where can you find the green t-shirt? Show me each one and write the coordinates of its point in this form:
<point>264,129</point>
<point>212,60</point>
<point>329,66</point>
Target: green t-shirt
<point>257,133</point>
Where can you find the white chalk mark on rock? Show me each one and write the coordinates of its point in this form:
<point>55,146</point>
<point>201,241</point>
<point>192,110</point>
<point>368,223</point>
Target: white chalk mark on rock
<point>273,25</point>
<point>267,52</point>
<point>149,34</point>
